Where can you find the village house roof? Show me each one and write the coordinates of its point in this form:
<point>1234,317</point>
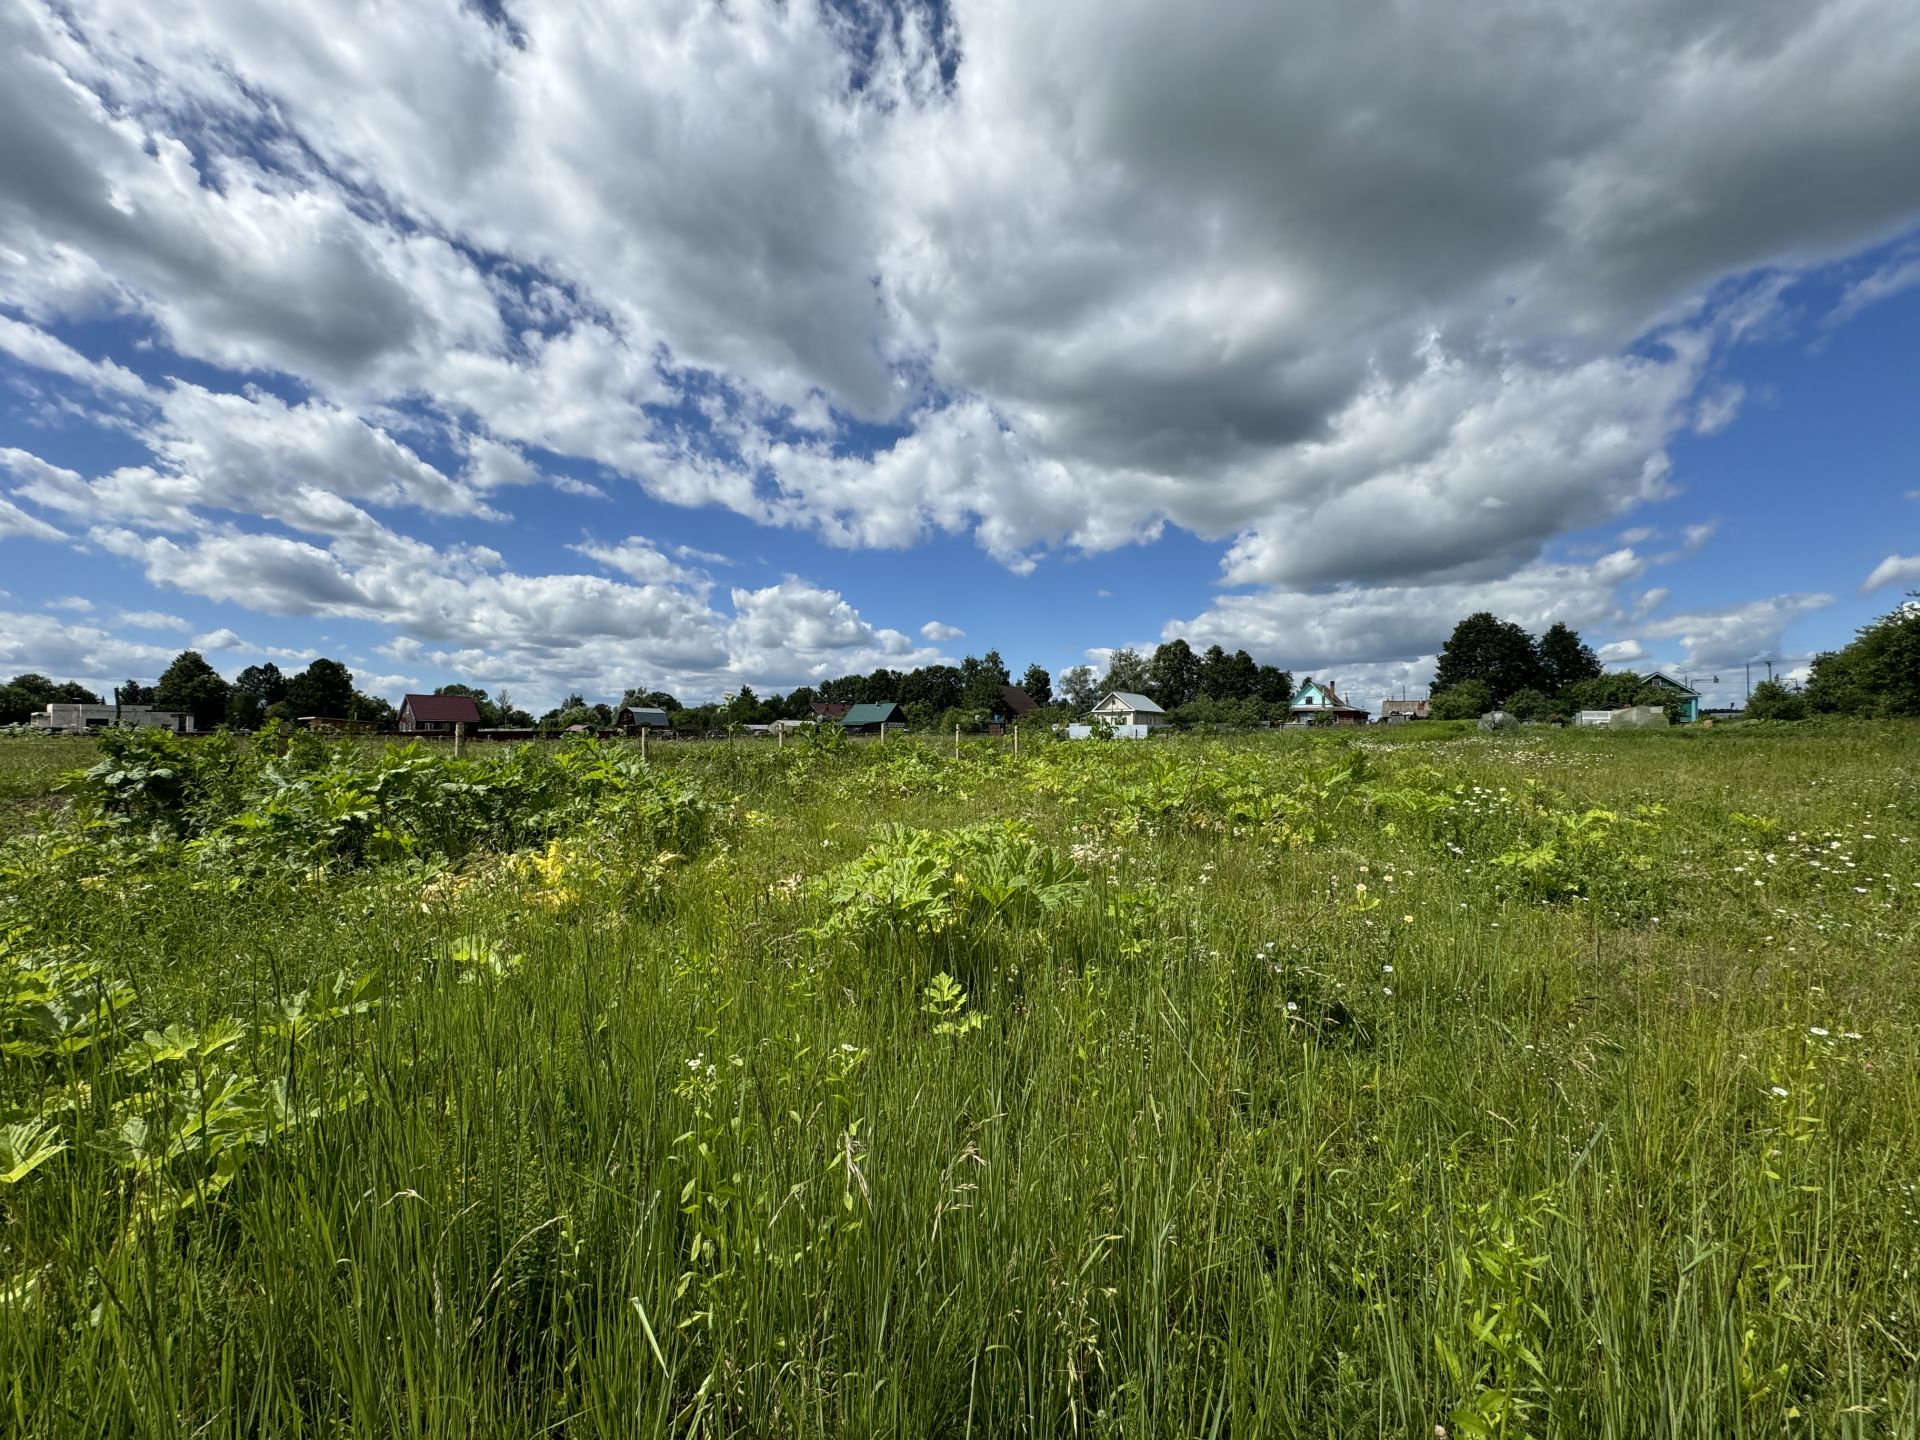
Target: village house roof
<point>649,715</point>
<point>881,714</point>
<point>1660,677</point>
<point>1016,701</point>
<point>829,709</point>
<point>1333,700</point>
<point>441,709</point>
<point>1129,700</point>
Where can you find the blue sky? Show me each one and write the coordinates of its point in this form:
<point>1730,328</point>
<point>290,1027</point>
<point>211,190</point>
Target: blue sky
<point>688,346</point>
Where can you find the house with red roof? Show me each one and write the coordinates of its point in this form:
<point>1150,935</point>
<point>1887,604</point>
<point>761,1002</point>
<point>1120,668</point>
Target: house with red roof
<point>437,714</point>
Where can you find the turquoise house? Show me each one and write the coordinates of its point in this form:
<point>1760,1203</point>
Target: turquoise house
<point>1688,697</point>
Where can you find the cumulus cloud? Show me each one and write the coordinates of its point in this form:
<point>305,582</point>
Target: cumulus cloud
<point>1894,570</point>
<point>1734,634</point>
<point>462,611</point>
<point>1312,630</point>
<point>73,650</point>
<point>939,632</point>
<point>152,620</point>
<point>1380,309</point>
<point>15,521</point>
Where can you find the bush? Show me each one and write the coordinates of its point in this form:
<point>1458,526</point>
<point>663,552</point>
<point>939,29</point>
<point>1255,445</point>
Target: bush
<point>1468,700</point>
<point>1528,705</point>
<point>1772,700</point>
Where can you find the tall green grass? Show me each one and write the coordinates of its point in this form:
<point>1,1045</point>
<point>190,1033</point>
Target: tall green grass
<point>1318,1086</point>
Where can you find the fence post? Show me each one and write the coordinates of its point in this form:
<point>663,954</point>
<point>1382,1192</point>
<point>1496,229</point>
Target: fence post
<point>956,742</point>
<point>1016,742</point>
<point>643,744</point>
<point>459,734</point>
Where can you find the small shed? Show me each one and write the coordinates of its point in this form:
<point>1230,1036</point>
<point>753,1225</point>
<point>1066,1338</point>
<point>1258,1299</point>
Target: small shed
<point>1125,707</point>
<point>437,714</point>
<point>867,719</point>
<point>1398,712</point>
<point>641,717</point>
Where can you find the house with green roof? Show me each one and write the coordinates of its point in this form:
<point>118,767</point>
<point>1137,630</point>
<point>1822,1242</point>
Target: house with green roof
<point>1680,696</point>
<point>867,719</point>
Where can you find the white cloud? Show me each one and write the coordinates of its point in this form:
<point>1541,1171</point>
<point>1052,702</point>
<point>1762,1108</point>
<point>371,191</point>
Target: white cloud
<point>1894,570</point>
<point>1718,408</point>
<point>33,346</point>
<point>939,633</point>
<point>221,639</point>
<point>152,620</point>
<point>640,559</point>
<point>1885,282</point>
<point>543,634</point>
<point>1311,630</point>
<point>70,650</point>
<point>15,521</point>
<point>1734,634</point>
<point>76,604</point>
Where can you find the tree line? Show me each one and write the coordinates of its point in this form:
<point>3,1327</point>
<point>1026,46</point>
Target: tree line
<point>1493,664</point>
<point>1876,675</point>
<point>191,686</point>
<point>1210,687</point>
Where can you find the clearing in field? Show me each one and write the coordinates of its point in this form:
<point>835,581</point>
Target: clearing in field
<point>1551,1083</point>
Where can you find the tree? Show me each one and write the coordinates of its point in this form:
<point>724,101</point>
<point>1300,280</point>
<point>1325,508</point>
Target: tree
<point>934,688</point>
<point>1774,700</point>
<point>1878,673</point>
<point>1273,686</point>
<point>981,682</point>
<point>654,699</point>
<point>1486,648</point>
<point>379,711</point>
<point>1229,677</point>
<point>132,692</point>
<point>1078,690</point>
<point>254,689</point>
<point>1038,684</point>
<point>1467,700</point>
<point>513,716</point>
<point>324,688</point>
<point>194,687</point>
<point>1173,675</point>
<point>1126,670</point>
<point>1528,705</point>
<point>1565,659</point>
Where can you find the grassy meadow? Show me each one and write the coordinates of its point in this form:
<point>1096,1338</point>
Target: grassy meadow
<point>1555,1083</point>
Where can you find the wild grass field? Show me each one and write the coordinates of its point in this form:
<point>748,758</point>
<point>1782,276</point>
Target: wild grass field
<point>1559,1083</point>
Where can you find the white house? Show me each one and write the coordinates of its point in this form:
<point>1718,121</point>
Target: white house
<point>64,718</point>
<point>1123,707</point>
